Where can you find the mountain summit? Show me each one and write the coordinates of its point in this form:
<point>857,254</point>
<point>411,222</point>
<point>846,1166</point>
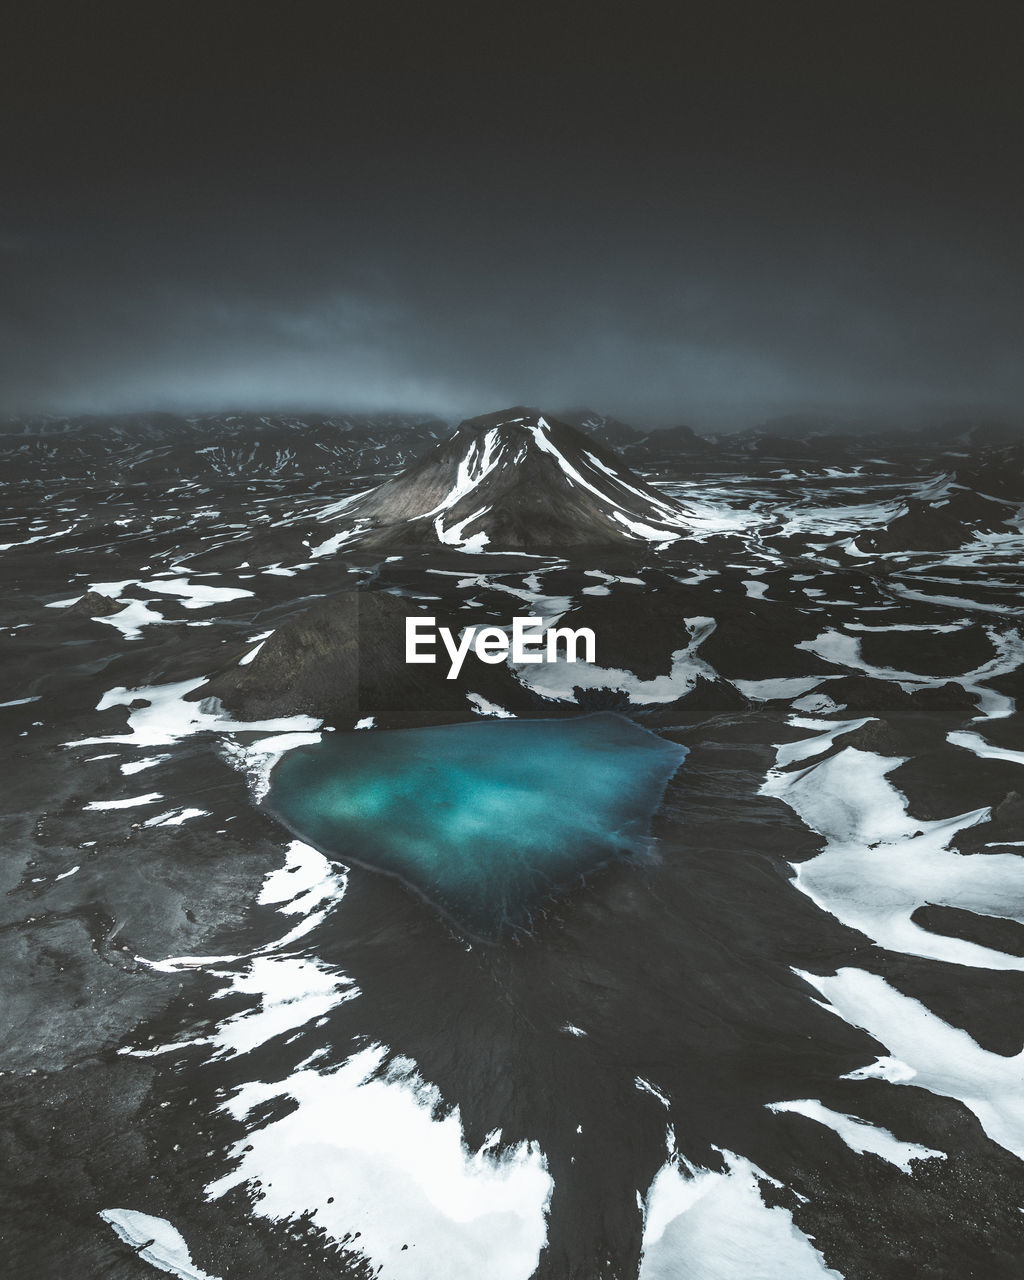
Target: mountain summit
<point>516,479</point>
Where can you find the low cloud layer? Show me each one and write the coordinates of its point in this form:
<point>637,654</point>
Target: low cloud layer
<point>717,240</point>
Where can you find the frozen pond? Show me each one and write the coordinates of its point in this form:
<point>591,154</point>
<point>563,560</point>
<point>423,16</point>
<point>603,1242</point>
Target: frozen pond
<point>483,819</point>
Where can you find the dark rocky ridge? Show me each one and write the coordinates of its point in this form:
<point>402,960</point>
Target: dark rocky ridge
<point>343,660</point>
<point>998,471</point>
<point>940,523</point>
<point>986,931</point>
<point>639,446</point>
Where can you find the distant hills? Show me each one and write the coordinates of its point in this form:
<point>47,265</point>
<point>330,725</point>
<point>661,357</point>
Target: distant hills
<point>139,448</point>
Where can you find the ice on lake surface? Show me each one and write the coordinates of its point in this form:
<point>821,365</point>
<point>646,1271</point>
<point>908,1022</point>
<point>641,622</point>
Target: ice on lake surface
<point>483,819</point>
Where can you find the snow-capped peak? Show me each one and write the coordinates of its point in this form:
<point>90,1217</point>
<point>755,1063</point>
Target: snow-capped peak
<point>518,479</point>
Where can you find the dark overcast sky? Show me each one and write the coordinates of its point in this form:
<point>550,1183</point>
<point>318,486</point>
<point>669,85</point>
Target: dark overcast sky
<point>712,214</point>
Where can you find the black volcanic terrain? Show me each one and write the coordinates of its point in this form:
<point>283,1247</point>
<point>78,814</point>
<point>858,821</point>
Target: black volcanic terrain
<point>784,1038</point>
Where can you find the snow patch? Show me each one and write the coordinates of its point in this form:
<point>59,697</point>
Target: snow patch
<point>858,1135</point>
<point>701,1225</point>
<point>365,1154</point>
<point>560,679</point>
<point>943,1059</point>
<point>485,708</point>
<point>130,802</point>
<point>155,1241</point>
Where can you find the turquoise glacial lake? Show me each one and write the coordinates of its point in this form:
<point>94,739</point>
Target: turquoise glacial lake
<point>485,819</point>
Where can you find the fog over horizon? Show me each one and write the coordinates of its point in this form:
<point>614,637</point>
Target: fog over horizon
<point>799,212</point>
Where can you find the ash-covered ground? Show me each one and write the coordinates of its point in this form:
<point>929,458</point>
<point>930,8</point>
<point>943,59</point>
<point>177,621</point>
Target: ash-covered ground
<point>789,1041</point>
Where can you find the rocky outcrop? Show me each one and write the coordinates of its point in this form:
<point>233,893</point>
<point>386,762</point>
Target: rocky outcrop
<point>94,605</point>
<point>343,660</point>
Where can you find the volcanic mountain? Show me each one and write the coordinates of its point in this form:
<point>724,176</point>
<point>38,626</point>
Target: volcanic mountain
<point>515,479</point>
